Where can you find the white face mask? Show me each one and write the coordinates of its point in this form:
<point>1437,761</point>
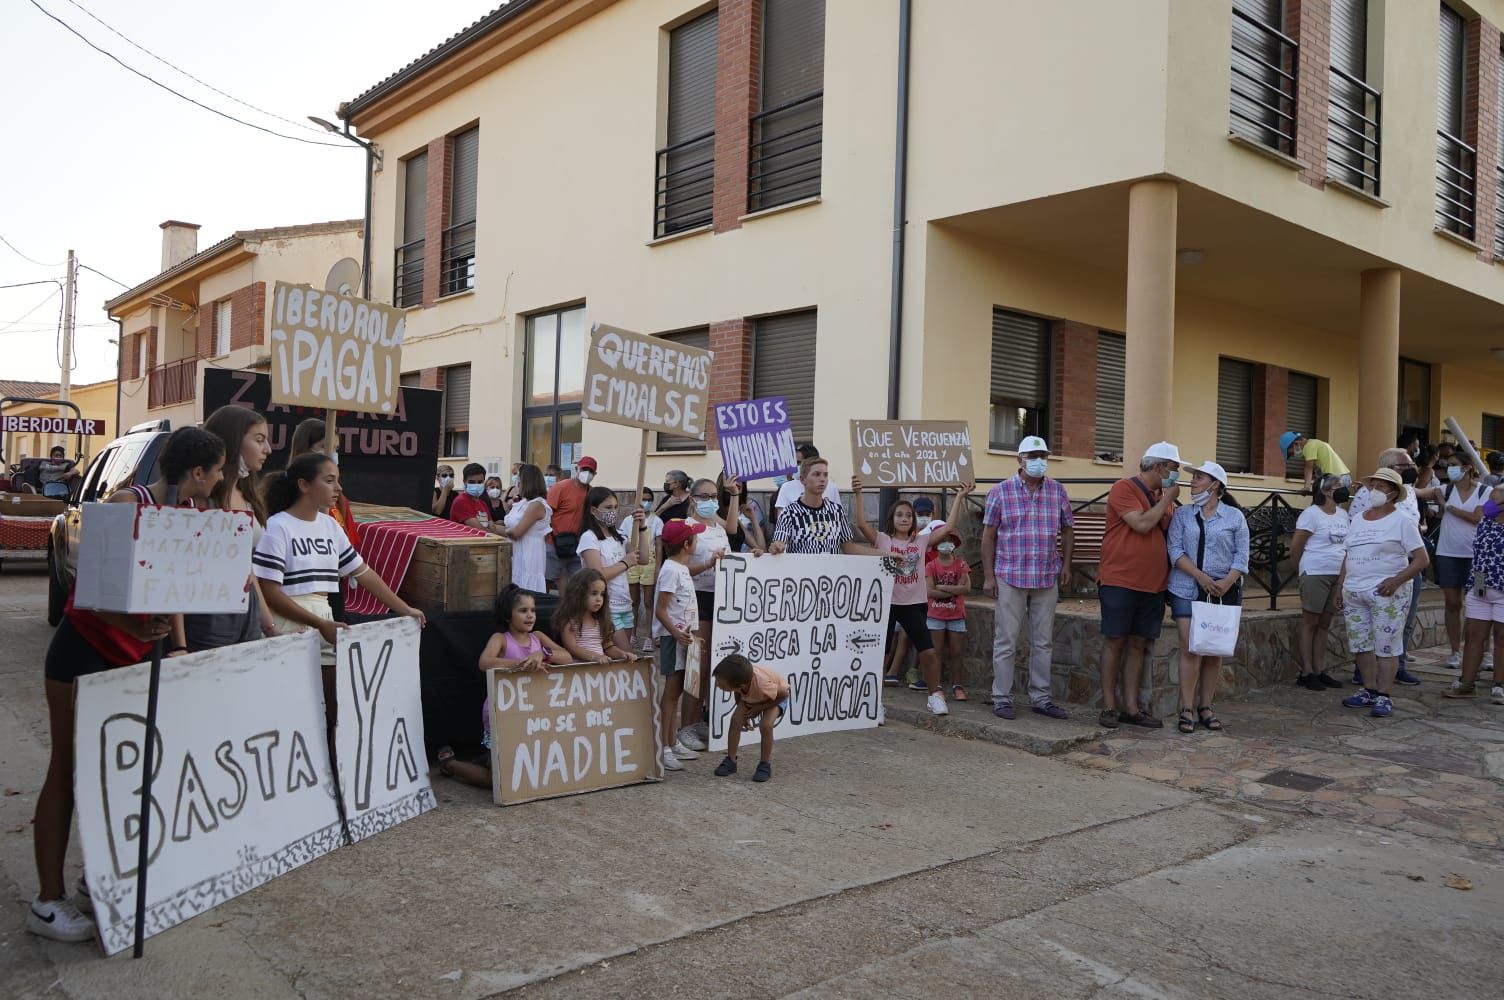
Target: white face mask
<point>244,471</point>
<point>1200,499</point>
<point>585,475</point>
<point>446,480</point>
<point>494,492</point>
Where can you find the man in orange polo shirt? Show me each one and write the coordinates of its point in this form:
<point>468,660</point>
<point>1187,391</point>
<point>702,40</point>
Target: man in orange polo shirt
<point>1131,580</point>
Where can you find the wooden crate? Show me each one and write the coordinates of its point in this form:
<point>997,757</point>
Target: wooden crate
<point>457,574</point>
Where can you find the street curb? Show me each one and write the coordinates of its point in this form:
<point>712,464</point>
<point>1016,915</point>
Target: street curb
<point>1004,734</point>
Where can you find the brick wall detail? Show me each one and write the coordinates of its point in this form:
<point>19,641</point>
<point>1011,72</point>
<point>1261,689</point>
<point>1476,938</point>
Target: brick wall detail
<point>208,321</point>
<point>731,372</point>
<point>1271,410</point>
<point>1073,371</point>
<point>431,378</point>
<point>1480,123</point>
<point>131,356</point>
<point>1309,22</point>
<point>738,72</point>
<point>247,316</point>
<point>436,215</point>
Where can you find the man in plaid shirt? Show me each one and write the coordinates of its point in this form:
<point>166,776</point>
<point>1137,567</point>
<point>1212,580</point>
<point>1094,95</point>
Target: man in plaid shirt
<point>1023,517</point>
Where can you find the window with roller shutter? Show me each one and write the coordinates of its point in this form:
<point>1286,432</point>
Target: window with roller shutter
<point>699,338</point>
<point>457,273</point>
<point>1262,102</point>
<point>1300,416</point>
<point>684,184</point>
<point>1111,367</point>
<point>1456,161</point>
<point>783,364</point>
<point>787,131</point>
<point>1490,437</point>
<point>1353,105</point>
<point>457,411</point>
<point>1020,384</point>
<point>1234,415</point>
<point>407,273</point>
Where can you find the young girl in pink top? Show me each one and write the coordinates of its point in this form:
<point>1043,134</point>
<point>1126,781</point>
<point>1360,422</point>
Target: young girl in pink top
<point>515,650</point>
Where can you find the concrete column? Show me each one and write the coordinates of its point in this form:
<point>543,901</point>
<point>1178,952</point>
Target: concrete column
<point>1378,365</point>
<point>1150,322</point>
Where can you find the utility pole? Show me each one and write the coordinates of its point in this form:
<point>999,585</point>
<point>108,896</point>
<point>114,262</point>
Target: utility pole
<point>65,377</point>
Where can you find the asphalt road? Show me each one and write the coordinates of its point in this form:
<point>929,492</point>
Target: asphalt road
<point>894,862</point>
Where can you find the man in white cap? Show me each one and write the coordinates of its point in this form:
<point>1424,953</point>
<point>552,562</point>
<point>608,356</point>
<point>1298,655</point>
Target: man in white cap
<point>1022,519</point>
<point>1131,580</point>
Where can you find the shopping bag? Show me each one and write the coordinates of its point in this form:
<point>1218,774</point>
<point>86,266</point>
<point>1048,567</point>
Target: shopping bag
<point>1214,628</point>
<point>692,668</point>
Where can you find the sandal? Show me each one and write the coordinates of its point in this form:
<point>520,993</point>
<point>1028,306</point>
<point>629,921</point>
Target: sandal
<point>958,692</point>
<point>1187,723</point>
<point>443,759</point>
<point>1209,718</point>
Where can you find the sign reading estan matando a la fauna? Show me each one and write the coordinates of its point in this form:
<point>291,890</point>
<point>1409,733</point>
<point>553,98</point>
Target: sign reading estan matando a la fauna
<point>646,382</point>
<point>914,454</point>
<point>335,352</point>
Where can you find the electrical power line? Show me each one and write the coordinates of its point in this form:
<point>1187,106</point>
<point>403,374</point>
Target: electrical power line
<point>86,267</point>
<point>34,308</point>
<point>25,257</point>
<point>177,93</point>
<point>166,62</point>
<point>25,284</point>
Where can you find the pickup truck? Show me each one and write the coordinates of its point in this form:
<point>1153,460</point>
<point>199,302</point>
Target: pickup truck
<point>130,460</point>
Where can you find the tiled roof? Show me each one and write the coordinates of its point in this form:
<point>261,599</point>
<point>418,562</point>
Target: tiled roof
<point>38,390</point>
<point>437,54</point>
<point>241,236</point>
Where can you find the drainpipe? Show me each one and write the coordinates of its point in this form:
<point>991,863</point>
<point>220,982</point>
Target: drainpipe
<point>900,194</point>
<point>119,353</point>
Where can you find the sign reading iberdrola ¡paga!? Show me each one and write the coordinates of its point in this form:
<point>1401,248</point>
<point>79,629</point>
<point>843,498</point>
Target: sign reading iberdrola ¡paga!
<point>646,382</point>
<point>333,351</point>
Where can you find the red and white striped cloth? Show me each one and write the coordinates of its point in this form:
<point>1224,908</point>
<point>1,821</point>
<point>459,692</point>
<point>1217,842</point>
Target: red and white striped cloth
<point>387,547</point>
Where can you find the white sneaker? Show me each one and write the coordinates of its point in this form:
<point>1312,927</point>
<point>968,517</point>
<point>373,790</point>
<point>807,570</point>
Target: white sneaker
<point>702,730</point>
<point>681,751</point>
<point>84,897</point>
<point>937,704</point>
<point>1454,661</point>
<point>691,739</point>
<point>670,762</point>
<point>60,920</point>
<point>1497,695</point>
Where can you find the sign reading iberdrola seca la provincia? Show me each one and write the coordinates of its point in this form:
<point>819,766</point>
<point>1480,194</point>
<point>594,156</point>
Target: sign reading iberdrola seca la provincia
<point>646,382</point>
<point>333,351</point>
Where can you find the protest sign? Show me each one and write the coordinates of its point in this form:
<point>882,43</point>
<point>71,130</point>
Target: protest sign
<point>646,382</point>
<point>51,425</point>
<point>755,438</point>
<point>383,773</point>
<point>578,728</point>
<point>912,453</point>
<point>243,790</point>
<point>145,559</point>
<point>383,458</point>
<point>334,351</point>
<point>819,621</point>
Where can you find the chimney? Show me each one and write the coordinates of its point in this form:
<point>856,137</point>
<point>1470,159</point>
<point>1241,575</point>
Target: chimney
<point>179,242</point>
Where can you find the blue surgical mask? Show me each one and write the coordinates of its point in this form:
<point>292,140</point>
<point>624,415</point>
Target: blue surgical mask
<point>778,481</point>
<point>1172,478</point>
<point>1201,499</point>
<point>1454,472</point>
<point>1036,467</point>
<point>475,489</point>
<point>922,520</point>
<point>647,505</point>
<point>706,508</point>
<point>549,481</point>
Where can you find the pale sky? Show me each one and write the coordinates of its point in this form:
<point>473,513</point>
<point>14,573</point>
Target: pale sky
<point>96,157</point>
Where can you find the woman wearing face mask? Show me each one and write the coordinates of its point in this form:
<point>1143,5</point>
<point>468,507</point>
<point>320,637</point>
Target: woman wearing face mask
<point>494,505</point>
<point>1208,543</point>
<point>1384,555</point>
<point>527,523</point>
<point>444,492</point>
<point>1461,503</point>
<point>1485,598</point>
<point>1317,549</point>
<point>603,547</point>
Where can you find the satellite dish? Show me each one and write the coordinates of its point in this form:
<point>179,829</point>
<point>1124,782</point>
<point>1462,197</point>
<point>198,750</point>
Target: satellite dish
<point>344,277</point>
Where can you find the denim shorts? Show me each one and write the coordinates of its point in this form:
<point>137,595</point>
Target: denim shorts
<point>1452,571</point>
<point>622,621</point>
<point>946,624</point>
<point>670,656</point>
<point>1127,612</point>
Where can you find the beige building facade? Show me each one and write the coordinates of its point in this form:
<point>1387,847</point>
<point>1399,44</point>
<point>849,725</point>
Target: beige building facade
<point>208,309</point>
<point>1203,220</point>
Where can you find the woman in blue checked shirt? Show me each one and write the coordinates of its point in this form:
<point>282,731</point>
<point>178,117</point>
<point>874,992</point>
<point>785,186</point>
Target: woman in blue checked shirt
<point>1200,569</point>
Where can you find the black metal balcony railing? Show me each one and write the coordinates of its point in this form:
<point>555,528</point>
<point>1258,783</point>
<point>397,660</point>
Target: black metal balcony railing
<point>172,383</point>
<point>783,162</point>
<point>1456,185</point>
<point>1262,105</point>
<point>407,275</point>
<point>1353,117</point>
<point>1499,217</point>
<point>684,186</point>
<point>457,265</point>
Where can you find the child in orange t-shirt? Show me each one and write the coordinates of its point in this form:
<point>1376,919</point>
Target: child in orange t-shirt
<point>762,696</point>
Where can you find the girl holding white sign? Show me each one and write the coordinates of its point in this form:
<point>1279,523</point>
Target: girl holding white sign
<point>85,643</point>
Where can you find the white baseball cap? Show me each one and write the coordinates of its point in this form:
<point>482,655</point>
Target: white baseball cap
<point>1032,443</point>
<point>1163,451</point>
<point>1214,470</point>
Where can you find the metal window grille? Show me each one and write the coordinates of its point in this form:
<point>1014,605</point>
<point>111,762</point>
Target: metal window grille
<point>1354,107</point>
<point>457,264</point>
<point>1262,103</point>
<point>407,263</point>
<point>1456,161</point>
<point>784,157</point>
<point>684,188</point>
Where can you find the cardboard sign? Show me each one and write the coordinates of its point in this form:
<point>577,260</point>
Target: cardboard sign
<point>383,458</point>
<point>383,773</point>
<point>145,559</point>
<point>51,425</point>
<point>912,453</point>
<point>646,382</point>
<point>242,789</point>
<point>578,728</point>
<point>334,351</point>
<point>755,438</point>
<point>819,621</point>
